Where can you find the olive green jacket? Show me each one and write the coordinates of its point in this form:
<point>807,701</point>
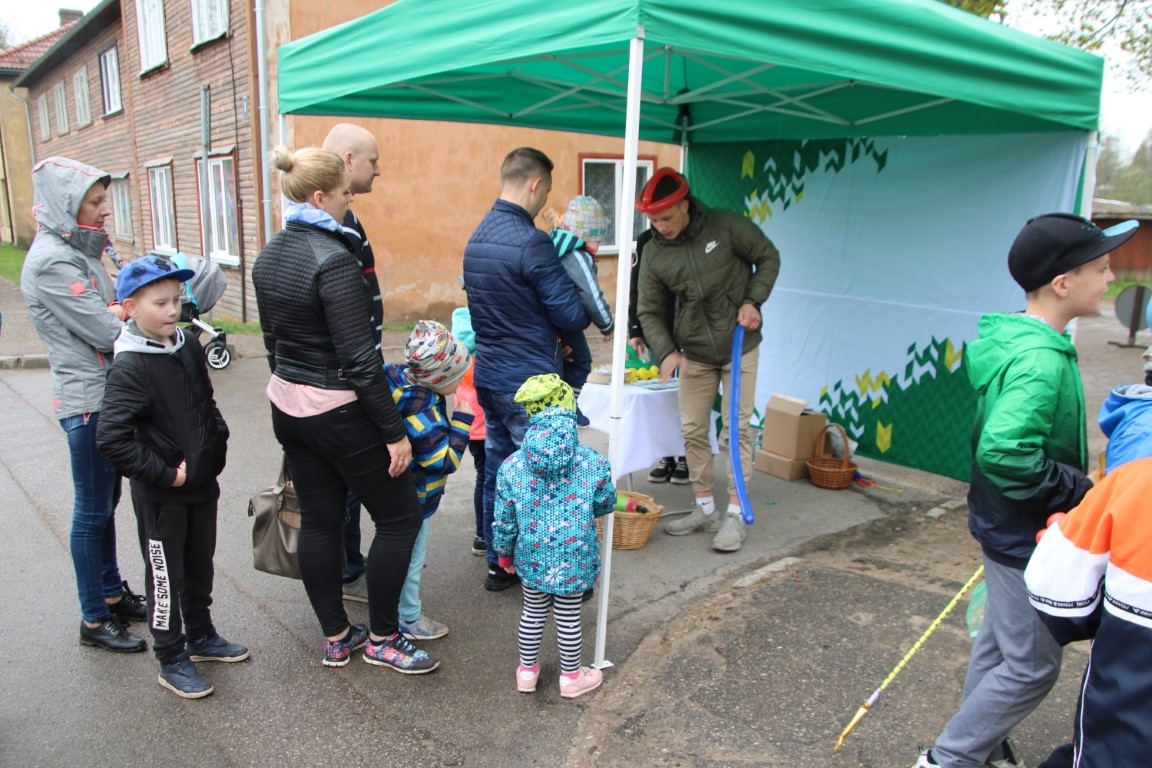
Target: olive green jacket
<point>719,262</point>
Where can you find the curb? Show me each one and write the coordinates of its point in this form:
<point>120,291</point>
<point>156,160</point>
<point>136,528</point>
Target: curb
<point>23,361</point>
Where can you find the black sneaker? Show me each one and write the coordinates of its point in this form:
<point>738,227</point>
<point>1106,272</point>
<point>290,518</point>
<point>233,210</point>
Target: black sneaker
<point>680,471</point>
<point>111,635</point>
<point>582,420</point>
<point>662,472</point>
<point>130,606</point>
<point>588,593</point>
<point>498,580</point>
<point>478,546</point>
<point>212,647</point>
<point>182,678</point>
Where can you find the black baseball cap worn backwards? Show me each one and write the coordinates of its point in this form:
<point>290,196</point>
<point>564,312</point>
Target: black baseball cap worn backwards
<point>1056,243</point>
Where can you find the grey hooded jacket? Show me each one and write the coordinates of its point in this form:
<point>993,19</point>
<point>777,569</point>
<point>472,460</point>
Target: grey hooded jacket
<point>67,289</point>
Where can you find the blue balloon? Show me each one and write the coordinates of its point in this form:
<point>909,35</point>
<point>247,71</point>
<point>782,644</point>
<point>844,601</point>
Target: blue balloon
<point>734,427</point>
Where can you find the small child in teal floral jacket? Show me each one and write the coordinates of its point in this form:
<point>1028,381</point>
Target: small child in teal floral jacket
<point>548,496</point>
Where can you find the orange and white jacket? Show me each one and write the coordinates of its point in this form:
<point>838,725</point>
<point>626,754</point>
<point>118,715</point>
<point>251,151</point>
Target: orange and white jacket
<point>1091,577</point>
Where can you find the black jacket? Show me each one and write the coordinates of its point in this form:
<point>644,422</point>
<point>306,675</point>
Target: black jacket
<point>311,298</point>
<point>159,409</point>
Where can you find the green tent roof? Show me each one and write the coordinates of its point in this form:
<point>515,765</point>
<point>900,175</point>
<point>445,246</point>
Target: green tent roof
<point>732,69</point>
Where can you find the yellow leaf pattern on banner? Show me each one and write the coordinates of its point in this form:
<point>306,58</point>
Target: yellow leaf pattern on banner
<point>952,356</point>
<point>865,383</point>
<point>749,168</point>
<point>883,437</point>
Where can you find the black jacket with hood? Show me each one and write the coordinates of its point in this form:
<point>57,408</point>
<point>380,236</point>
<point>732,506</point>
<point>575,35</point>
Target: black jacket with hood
<point>159,410</point>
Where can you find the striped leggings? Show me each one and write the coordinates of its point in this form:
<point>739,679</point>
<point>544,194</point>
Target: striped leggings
<point>566,614</point>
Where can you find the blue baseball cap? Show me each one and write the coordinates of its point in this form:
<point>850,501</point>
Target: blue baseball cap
<point>147,269</point>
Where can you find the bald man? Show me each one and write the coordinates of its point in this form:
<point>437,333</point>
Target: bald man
<point>361,154</point>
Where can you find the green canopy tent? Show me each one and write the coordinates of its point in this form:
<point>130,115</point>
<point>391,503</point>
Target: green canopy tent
<point>692,73</point>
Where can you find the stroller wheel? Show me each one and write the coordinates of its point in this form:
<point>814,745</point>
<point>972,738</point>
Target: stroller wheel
<point>217,355</point>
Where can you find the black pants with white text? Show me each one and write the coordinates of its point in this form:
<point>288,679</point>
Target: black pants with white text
<point>178,541</point>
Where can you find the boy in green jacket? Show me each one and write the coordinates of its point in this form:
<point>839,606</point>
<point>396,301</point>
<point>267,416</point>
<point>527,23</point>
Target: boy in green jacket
<point>1030,458</point>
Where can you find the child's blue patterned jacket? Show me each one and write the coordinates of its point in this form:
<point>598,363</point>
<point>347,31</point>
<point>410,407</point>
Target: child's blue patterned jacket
<point>548,496</point>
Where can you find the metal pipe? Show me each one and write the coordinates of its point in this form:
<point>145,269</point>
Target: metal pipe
<point>261,155</point>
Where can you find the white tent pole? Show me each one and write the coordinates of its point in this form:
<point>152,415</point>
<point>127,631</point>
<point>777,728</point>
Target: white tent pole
<point>625,213</point>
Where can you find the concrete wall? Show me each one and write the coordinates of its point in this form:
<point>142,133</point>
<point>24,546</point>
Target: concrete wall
<point>437,182</point>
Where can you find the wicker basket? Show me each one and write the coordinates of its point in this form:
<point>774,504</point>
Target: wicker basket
<point>632,529</point>
<point>828,471</point>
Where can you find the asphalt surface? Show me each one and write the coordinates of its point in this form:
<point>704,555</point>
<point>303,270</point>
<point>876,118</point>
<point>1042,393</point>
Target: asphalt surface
<point>757,658</point>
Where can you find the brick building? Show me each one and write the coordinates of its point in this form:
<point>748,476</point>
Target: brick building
<point>171,109</point>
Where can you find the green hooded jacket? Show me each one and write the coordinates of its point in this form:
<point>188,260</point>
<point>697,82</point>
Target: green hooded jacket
<point>1030,440</point>
<point>708,271</point>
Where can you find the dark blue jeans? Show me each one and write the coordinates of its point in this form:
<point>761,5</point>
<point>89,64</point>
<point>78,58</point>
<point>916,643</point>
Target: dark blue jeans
<point>96,492</point>
<point>578,363</point>
<point>354,559</point>
<point>507,422</point>
<point>479,458</point>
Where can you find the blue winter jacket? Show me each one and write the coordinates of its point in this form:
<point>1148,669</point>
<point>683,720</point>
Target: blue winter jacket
<point>520,298</point>
<point>1126,420</point>
<point>548,496</point>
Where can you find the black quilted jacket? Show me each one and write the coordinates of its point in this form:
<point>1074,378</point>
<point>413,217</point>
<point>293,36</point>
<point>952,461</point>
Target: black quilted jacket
<point>159,410</point>
<point>312,302</point>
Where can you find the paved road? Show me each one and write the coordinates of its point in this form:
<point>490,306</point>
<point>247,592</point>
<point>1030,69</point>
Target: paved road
<point>718,660</point>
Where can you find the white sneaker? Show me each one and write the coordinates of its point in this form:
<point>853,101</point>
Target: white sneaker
<point>1010,757</point>
<point>357,590</point>
<point>731,534</point>
<point>694,522</point>
<point>924,762</point>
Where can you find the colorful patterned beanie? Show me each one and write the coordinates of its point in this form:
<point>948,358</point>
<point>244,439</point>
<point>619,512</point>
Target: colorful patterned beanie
<point>545,391</point>
<point>585,218</point>
<point>436,358</point>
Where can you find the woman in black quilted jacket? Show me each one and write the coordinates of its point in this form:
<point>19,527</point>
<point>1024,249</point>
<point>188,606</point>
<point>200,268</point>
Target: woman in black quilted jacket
<point>333,412</point>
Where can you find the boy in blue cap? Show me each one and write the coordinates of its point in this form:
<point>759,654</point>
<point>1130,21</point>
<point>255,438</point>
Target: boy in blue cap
<point>160,427</point>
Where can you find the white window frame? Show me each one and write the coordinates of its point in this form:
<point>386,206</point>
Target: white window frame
<point>150,29</point>
<point>209,20</point>
<point>83,102</point>
<point>219,221</point>
<point>121,193</point>
<point>42,110</point>
<point>163,208</point>
<point>648,166</point>
<point>110,80</point>
<point>60,95</point>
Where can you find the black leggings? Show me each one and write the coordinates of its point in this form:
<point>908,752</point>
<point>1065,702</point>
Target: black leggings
<point>328,455</point>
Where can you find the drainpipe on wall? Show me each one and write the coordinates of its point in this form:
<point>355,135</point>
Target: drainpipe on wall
<point>262,154</point>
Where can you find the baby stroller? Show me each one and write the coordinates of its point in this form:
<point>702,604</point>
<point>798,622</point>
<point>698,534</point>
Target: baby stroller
<point>201,293</point>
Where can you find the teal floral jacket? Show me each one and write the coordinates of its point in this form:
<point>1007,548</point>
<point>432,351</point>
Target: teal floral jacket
<point>548,496</point>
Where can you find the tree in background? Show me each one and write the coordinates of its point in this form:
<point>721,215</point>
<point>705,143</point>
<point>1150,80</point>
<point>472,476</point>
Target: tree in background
<point>5,36</point>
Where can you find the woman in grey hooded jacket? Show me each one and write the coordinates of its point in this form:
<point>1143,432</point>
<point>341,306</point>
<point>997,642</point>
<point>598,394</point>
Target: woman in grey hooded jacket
<point>73,305</point>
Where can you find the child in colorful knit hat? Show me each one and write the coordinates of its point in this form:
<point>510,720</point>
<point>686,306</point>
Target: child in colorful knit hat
<point>577,236</point>
<point>548,496</point>
<point>436,362</point>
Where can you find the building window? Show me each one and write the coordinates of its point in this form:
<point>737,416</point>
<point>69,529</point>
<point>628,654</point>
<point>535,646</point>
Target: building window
<point>42,109</point>
<point>122,209</point>
<point>61,96</point>
<point>150,27</point>
<point>218,209</point>
<point>209,20</point>
<point>602,179</point>
<point>83,109</point>
<point>163,211</point>
<point>110,80</point>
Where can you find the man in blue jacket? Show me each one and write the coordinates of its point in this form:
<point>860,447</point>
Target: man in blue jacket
<point>521,299</point>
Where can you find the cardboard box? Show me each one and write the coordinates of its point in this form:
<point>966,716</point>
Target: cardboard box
<point>790,430</point>
<point>778,466</point>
